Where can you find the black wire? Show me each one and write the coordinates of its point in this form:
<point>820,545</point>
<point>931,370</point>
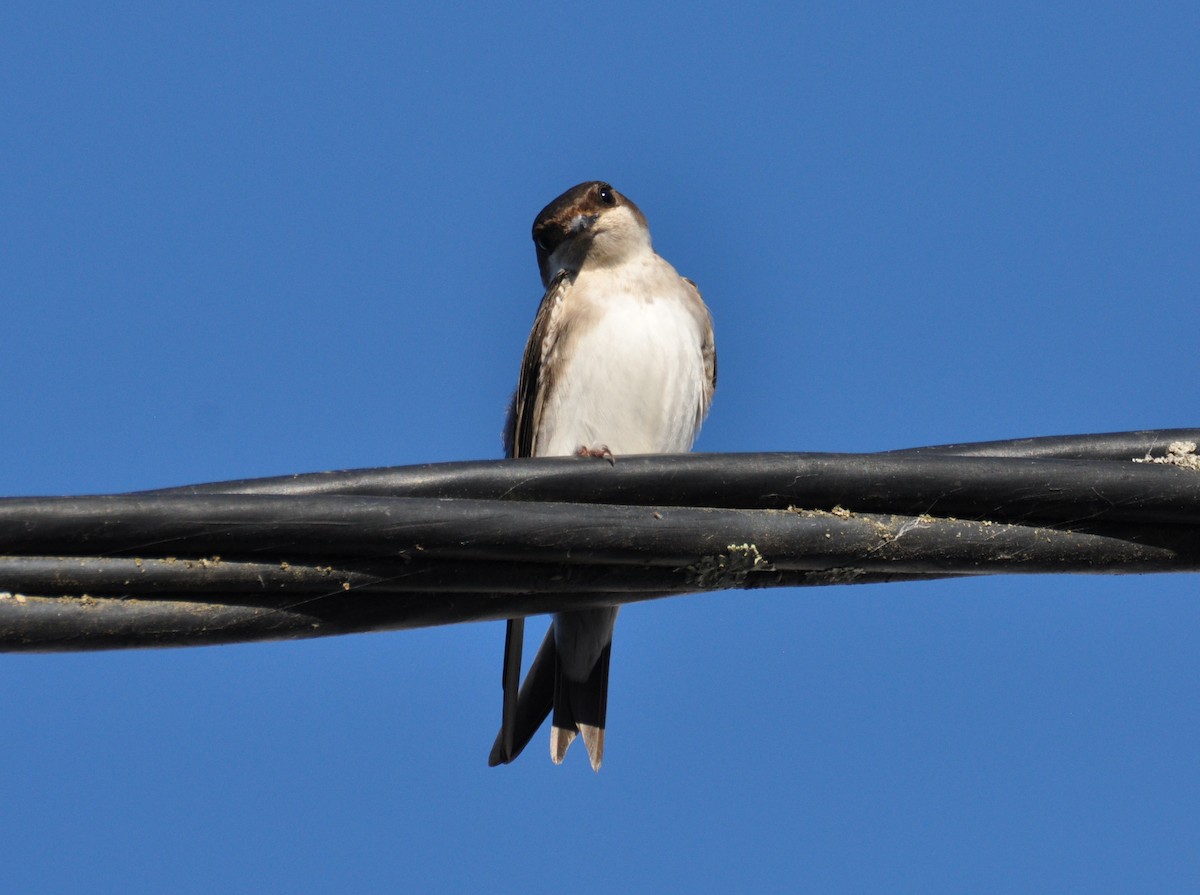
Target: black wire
<point>390,548</point>
<point>1015,487</point>
<point>1105,446</point>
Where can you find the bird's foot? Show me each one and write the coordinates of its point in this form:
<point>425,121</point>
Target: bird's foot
<point>600,451</point>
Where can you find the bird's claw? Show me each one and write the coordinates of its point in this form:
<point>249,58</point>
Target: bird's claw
<point>599,451</point>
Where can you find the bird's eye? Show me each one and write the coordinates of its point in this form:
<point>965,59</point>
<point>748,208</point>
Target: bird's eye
<point>607,196</point>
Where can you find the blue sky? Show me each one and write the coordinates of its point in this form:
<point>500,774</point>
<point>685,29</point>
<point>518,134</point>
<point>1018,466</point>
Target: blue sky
<point>254,239</point>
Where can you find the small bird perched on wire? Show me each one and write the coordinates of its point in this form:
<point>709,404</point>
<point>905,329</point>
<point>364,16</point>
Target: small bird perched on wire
<point>620,361</point>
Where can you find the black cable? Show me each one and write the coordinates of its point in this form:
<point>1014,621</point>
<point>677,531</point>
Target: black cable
<point>1105,446</point>
<point>391,548</point>
<point>925,480</point>
<point>328,528</point>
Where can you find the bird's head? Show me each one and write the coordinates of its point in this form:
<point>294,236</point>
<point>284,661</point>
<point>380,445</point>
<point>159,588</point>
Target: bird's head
<point>590,223</point>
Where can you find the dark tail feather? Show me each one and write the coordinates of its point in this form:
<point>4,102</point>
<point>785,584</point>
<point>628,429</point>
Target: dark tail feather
<point>580,706</point>
<point>525,711</point>
<point>514,644</point>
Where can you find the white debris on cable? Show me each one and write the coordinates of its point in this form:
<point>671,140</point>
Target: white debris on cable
<point>1179,453</point>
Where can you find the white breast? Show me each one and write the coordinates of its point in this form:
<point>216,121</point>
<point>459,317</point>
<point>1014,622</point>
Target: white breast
<point>632,377</point>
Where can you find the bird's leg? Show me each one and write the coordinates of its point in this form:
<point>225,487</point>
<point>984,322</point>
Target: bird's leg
<point>599,451</point>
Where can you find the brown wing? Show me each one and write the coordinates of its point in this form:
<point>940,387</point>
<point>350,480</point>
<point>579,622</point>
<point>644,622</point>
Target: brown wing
<point>525,412</point>
<point>520,718</point>
<point>708,348</point>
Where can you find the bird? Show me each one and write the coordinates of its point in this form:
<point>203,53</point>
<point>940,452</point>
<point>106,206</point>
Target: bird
<point>621,360</point>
